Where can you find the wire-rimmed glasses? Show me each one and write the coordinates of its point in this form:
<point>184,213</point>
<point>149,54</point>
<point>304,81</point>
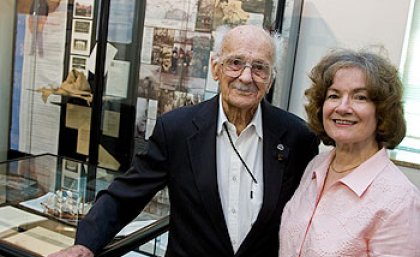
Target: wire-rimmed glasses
<point>261,72</point>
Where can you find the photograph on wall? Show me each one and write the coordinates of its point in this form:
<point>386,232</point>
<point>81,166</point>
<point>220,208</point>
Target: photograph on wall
<point>183,55</point>
<point>149,83</point>
<point>201,46</point>
<point>163,41</point>
<point>181,52</point>
<point>80,46</point>
<point>165,101</point>
<point>79,63</point>
<point>185,99</point>
<point>204,21</point>
<point>180,99</point>
<point>173,14</point>
<point>83,9</point>
<point>82,27</point>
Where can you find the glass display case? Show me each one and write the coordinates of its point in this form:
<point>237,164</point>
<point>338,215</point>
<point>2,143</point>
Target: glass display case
<point>43,197</point>
<point>92,76</point>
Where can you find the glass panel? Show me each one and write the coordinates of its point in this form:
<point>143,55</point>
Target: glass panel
<point>39,61</point>
<point>43,197</point>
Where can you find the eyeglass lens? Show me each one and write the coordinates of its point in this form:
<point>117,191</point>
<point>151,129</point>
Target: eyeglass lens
<point>234,67</point>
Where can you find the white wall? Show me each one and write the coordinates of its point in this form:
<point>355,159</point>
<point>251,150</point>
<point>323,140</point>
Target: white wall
<point>345,23</point>
<point>355,24</point>
<point>7,11</point>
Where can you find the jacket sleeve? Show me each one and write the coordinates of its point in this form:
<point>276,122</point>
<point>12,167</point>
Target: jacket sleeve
<point>127,195</point>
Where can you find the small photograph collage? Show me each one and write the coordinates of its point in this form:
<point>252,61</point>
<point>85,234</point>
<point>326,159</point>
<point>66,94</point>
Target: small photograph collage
<point>81,35</point>
<point>176,49</point>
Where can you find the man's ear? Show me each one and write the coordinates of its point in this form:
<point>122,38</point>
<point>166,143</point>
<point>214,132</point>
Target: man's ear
<point>272,81</point>
<point>214,63</point>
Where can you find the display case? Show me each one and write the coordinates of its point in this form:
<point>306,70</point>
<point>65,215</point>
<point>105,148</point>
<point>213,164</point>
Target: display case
<point>43,197</point>
<point>92,76</point>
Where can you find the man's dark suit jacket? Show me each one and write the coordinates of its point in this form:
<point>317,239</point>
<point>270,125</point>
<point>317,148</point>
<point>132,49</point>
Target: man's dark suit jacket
<point>181,154</point>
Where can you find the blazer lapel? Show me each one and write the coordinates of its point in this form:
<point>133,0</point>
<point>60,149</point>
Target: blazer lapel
<point>202,149</point>
<point>273,164</point>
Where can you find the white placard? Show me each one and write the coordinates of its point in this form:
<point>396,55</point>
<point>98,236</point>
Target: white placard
<point>117,82</point>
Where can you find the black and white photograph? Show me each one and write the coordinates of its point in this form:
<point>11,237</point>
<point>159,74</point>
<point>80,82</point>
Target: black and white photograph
<point>72,166</point>
<point>79,63</point>
<point>149,81</point>
<point>81,26</point>
<point>80,46</point>
<point>204,21</point>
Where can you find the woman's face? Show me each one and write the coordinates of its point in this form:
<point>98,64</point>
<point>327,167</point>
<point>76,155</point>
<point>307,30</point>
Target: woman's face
<point>349,116</point>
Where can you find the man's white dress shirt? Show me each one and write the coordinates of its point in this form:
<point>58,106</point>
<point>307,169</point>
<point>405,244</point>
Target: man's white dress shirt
<point>234,182</point>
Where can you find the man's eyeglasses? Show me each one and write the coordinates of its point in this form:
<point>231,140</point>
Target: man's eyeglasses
<point>261,72</point>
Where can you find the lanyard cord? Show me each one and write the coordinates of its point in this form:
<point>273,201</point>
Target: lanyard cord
<point>237,153</point>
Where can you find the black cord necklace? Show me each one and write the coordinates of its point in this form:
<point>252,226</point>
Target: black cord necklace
<point>240,157</point>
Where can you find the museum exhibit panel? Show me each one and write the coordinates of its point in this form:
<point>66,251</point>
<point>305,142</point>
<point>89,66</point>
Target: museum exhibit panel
<point>90,78</point>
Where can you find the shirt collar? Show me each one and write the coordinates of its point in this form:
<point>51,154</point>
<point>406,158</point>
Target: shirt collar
<point>256,120</point>
<point>361,177</point>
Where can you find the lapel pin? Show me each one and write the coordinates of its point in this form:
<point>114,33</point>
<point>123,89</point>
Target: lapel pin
<point>281,152</point>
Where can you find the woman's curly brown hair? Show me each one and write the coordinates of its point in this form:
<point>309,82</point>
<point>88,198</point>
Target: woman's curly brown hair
<point>384,88</point>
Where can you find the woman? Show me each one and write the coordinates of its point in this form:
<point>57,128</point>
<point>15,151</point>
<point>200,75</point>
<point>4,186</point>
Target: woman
<point>352,200</point>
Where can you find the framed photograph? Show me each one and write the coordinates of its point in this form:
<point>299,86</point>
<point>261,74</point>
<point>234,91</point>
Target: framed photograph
<point>83,9</point>
<point>82,27</point>
<point>80,46</point>
<point>80,36</point>
<point>70,179</point>
<point>72,166</point>
<point>79,63</point>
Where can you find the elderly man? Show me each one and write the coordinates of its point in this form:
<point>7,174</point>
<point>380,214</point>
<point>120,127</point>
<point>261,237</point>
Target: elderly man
<point>230,168</point>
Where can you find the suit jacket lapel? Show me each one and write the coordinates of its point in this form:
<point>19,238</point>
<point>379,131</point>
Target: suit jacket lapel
<point>272,167</point>
<point>202,149</point>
